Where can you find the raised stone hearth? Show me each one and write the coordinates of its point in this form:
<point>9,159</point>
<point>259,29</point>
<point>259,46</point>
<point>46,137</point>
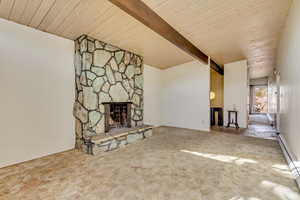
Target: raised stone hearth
<point>105,74</point>
<point>118,138</point>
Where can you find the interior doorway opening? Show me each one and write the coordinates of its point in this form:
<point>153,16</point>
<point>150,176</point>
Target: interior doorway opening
<point>262,113</point>
<point>259,99</point>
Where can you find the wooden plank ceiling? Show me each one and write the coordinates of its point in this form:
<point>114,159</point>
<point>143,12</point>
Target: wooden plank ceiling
<point>140,11</point>
<point>227,31</point>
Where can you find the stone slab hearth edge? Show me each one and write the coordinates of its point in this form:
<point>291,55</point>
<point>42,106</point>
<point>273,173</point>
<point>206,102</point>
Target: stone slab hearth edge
<point>119,139</point>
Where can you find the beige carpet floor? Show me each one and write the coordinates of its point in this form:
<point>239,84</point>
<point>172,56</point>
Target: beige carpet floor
<point>259,126</point>
<point>173,164</point>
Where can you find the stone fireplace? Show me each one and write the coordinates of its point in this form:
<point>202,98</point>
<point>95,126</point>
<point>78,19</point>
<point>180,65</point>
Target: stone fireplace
<point>117,115</point>
<point>109,90</point>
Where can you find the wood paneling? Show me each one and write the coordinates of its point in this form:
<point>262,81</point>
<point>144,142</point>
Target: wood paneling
<point>18,10</point>
<point>60,10</point>
<point>31,8</point>
<point>217,86</point>
<point>230,30</point>
<point>148,17</point>
<point>5,8</point>
<point>216,67</point>
<point>41,13</point>
<point>227,31</point>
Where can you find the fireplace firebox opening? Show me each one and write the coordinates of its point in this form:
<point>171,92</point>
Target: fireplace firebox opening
<point>117,115</point>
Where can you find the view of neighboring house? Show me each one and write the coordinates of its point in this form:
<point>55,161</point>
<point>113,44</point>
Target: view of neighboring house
<point>149,100</point>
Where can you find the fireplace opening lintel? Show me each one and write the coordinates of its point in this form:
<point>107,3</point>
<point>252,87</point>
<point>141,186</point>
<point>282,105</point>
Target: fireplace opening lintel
<point>116,103</point>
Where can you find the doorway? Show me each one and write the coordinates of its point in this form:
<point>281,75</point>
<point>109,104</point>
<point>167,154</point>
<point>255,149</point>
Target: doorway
<point>259,99</point>
<point>262,109</point>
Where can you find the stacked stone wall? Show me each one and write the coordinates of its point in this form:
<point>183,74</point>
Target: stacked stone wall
<point>104,73</point>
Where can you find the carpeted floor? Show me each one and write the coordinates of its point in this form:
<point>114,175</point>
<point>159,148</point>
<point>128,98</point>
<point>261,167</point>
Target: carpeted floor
<point>173,164</point>
<point>260,127</point>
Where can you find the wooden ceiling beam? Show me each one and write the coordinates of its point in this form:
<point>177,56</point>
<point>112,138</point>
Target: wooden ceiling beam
<point>216,67</point>
<point>140,11</point>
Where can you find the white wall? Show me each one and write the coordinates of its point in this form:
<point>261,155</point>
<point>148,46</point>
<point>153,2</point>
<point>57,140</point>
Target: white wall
<point>185,96</point>
<point>152,95</point>
<point>37,91</point>
<point>288,65</point>
<point>236,90</point>
<point>272,94</point>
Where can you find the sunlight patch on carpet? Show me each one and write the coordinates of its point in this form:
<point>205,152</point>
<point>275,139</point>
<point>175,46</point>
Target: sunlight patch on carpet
<point>281,191</point>
<point>222,158</point>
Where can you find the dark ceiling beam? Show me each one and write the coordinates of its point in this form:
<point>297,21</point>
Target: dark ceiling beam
<point>216,67</point>
<point>140,11</point>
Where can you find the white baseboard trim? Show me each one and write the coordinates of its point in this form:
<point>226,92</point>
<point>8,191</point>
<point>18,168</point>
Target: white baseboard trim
<point>290,158</point>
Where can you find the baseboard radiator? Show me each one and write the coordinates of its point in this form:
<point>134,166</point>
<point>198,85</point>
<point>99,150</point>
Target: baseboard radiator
<point>290,158</point>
